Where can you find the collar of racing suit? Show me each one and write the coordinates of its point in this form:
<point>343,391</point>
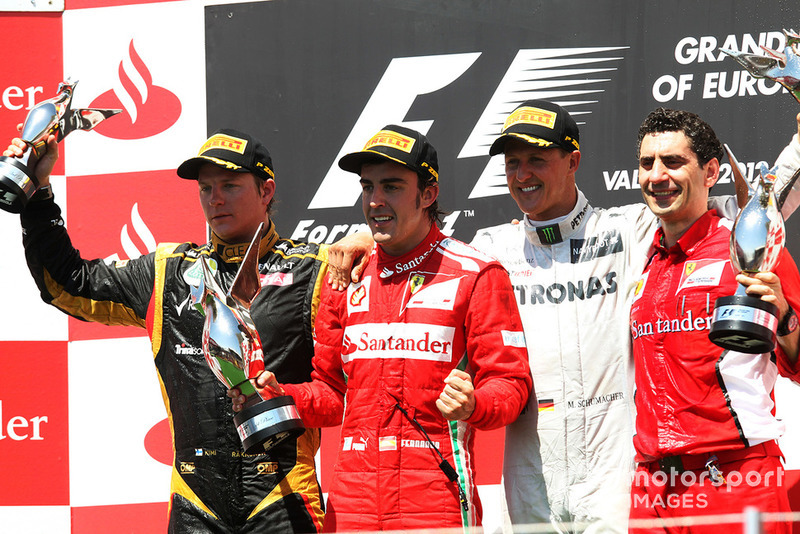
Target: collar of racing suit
<point>558,229</point>
<point>692,237</point>
<point>394,265</point>
<point>234,252</point>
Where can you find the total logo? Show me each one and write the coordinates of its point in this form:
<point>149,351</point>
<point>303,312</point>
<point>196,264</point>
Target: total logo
<point>148,109</point>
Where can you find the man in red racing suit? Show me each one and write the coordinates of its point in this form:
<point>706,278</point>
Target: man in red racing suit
<point>705,425</point>
<point>425,349</point>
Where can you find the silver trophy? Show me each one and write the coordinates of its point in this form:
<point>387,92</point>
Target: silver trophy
<point>782,67</point>
<point>53,116</point>
<point>742,322</point>
<point>232,349</point>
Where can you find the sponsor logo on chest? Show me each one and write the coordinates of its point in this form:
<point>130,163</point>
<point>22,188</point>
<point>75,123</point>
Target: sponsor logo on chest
<point>414,341</point>
<point>582,250</point>
<point>277,279</point>
<point>358,296</point>
<point>435,295</point>
<point>701,273</point>
<point>401,267</point>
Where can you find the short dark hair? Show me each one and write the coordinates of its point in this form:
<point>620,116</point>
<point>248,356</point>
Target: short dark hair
<point>434,213</point>
<point>702,139</point>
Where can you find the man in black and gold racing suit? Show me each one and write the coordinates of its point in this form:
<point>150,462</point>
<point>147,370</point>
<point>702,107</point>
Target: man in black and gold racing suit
<point>215,486</point>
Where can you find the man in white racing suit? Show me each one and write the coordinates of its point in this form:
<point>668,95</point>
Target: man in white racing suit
<point>573,268</point>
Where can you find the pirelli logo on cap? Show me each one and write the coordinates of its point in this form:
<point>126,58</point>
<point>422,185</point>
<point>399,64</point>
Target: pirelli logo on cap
<point>529,115</point>
<point>392,140</point>
<point>226,142</point>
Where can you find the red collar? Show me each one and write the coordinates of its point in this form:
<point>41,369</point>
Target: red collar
<point>697,232</point>
<point>391,265</point>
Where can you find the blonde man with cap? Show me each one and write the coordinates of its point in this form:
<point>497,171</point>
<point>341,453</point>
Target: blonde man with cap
<point>215,486</point>
<point>425,349</point>
<point>573,267</point>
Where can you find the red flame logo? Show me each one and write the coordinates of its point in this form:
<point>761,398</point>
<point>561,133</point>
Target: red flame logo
<point>148,109</point>
<point>148,242</point>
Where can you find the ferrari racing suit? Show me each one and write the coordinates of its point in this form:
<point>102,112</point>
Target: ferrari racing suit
<point>215,486</point>
<point>696,402</point>
<point>383,351</point>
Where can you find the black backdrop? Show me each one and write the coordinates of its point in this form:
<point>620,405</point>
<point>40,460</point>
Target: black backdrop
<point>299,73</point>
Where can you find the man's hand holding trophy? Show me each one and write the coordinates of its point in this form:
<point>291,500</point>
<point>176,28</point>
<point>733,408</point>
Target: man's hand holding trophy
<point>52,120</point>
<point>744,322</point>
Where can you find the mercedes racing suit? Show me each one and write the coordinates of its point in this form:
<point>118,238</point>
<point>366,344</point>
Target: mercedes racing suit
<point>215,486</point>
<point>573,278</point>
<point>383,351</point>
<point>695,399</point>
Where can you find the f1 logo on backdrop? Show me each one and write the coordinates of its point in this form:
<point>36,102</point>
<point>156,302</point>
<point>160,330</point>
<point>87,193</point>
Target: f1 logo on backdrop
<point>550,73</point>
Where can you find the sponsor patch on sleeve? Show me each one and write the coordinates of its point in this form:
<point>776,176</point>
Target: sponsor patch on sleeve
<point>513,339</point>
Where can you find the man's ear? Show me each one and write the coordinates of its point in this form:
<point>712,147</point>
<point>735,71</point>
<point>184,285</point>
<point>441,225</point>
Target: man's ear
<point>574,161</point>
<point>430,194</point>
<point>711,172</point>
<point>268,190</point>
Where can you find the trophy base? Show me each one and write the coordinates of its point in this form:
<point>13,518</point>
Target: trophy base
<point>17,184</point>
<point>744,324</point>
<point>266,423</point>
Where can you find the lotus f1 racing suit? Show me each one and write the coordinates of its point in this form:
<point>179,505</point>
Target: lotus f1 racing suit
<point>383,351</point>
<point>215,486</point>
